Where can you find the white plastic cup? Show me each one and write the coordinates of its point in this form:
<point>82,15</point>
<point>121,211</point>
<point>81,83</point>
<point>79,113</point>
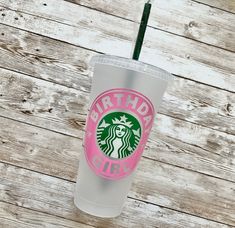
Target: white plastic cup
<point>124,98</point>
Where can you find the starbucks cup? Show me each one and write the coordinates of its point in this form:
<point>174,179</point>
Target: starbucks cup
<point>124,98</point>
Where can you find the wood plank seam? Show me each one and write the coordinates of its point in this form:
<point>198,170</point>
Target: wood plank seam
<point>180,211</point>
<point>42,212</point>
<point>80,3</point>
<point>126,19</point>
<point>221,216</point>
<point>167,163</point>
<point>63,217</point>
<point>147,166</point>
<point>202,83</point>
<point>129,197</point>
<point>39,172</point>
<point>58,132</point>
<point>12,69</point>
<point>93,6</point>
<point>202,123</point>
<point>47,36</point>
<point>152,159</point>
<point>62,41</point>
<point>202,3</point>
<point>227,11</point>
<point>175,34</point>
<point>163,162</point>
<point>98,52</point>
<point>160,112</point>
<point>187,121</point>
<point>169,137</point>
<point>149,26</point>
<point>43,79</point>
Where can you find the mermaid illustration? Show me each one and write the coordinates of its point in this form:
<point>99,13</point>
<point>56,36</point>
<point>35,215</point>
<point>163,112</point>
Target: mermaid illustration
<point>118,139</point>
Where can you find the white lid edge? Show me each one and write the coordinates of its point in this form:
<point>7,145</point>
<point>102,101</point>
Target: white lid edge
<point>131,65</point>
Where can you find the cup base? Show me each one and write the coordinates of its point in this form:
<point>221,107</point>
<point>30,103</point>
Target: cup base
<point>95,209</point>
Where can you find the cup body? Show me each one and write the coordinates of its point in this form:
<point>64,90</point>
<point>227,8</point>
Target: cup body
<point>124,99</point>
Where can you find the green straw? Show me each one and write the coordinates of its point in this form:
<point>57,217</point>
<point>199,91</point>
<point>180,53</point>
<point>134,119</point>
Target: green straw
<point>142,30</point>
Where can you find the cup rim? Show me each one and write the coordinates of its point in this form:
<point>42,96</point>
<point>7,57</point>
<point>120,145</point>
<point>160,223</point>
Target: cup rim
<point>131,64</point>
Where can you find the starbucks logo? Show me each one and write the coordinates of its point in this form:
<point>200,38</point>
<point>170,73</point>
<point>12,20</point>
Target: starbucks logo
<point>118,134</point>
<point>117,129</point>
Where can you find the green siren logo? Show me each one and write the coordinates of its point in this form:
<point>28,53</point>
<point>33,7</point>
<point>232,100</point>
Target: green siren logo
<point>118,134</point>
<point>117,130</point>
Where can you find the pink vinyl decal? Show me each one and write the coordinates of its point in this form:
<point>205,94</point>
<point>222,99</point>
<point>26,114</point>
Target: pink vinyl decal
<point>117,129</point>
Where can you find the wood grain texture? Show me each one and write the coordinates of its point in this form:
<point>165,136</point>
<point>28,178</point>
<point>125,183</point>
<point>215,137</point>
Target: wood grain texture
<point>186,177</point>
<point>64,110</point>
<point>79,26</point>
<point>45,58</point>
<point>180,189</point>
<point>42,57</point>
<point>185,18</point>
<point>12,216</point>
<point>227,5</point>
<point>51,195</point>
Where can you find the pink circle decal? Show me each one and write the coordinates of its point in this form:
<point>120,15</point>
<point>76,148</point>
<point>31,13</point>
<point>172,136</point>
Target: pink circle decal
<point>117,129</point>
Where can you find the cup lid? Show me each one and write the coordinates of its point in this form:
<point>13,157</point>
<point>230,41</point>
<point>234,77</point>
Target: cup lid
<point>131,65</point>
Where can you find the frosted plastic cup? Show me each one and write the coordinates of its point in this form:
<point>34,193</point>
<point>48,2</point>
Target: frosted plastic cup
<point>124,98</point>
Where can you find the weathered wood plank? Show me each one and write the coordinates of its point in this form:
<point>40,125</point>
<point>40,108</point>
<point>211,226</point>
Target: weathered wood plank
<point>208,142</point>
<point>42,57</point>
<point>181,56</point>
<point>184,18</point>
<point>156,182</point>
<point>64,110</point>
<point>228,5</point>
<point>14,217</point>
<point>54,196</point>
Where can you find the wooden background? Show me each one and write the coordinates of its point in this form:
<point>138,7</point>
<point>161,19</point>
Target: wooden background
<point>45,47</point>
